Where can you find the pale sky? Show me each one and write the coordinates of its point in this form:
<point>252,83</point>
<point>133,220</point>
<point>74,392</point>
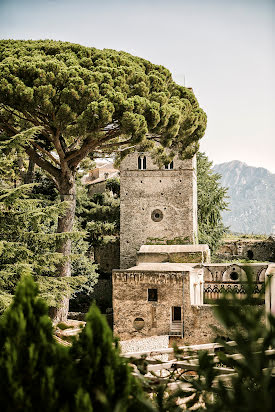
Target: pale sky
<point>223,49</point>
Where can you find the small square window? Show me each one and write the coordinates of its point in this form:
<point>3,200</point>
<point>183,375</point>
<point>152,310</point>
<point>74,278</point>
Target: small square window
<point>152,295</point>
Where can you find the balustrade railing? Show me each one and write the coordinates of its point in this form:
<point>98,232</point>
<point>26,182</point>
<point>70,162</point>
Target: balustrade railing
<point>214,290</point>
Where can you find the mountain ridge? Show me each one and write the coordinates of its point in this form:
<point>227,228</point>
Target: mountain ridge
<point>252,197</point>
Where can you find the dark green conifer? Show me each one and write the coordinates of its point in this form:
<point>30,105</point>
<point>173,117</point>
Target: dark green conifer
<point>29,355</point>
<point>211,202</point>
<point>101,372</point>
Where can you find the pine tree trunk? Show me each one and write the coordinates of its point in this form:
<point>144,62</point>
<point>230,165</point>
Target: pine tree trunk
<point>64,245</point>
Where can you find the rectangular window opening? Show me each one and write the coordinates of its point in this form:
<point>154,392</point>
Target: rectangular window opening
<point>176,314</point>
<point>152,295</point>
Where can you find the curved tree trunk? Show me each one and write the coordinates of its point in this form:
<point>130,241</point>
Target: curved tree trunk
<point>64,244</point>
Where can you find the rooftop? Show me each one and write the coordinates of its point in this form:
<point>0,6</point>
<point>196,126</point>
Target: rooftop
<point>160,267</point>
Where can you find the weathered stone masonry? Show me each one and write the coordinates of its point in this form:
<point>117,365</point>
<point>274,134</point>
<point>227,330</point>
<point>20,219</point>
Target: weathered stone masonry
<point>130,302</point>
<point>156,204</point>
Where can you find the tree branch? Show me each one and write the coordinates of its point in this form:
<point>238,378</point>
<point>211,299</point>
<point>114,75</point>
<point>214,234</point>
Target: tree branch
<point>59,149</point>
<point>44,164</point>
<point>115,144</point>
<point>46,153</point>
<point>75,157</point>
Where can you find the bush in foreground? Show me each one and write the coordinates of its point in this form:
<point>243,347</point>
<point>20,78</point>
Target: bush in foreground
<point>38,374</point>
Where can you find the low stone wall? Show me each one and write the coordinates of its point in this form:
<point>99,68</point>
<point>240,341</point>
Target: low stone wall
<point>197,321</point>
<point>102,294</point>
<point>107,257</point>
<point>146,344</point>
<point>198,325</point>
<point>261,250</point>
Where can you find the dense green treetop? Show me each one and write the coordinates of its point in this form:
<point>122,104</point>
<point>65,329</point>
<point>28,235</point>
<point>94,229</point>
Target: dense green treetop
<point>87,99</point>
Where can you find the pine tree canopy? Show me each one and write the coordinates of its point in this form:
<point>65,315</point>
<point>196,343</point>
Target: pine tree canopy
<point>88,100</point>
<point>61,102</point>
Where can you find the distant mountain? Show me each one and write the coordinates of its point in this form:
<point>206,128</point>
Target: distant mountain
<point>252,197</point>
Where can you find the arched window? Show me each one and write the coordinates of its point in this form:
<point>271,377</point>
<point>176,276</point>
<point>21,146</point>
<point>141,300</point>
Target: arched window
<point>142,162</point>
<point>170,165</point>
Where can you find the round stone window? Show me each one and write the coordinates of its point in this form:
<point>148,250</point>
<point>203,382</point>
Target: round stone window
<point>157,215</point>
<point>234,276</point>
<point>139,323</point>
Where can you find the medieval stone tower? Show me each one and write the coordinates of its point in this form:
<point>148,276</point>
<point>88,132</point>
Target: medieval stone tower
<point>157,205</point>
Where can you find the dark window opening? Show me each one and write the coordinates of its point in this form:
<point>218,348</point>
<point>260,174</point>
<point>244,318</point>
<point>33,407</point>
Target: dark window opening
<point>152,295</point>
<point>234,276</point>
<point>142,162</point>
<point>250,254</point>
<point>176,313</point>
<point>170,165</point>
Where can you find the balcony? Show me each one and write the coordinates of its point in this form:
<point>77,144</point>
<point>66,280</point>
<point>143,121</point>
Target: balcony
<point>214,290</point>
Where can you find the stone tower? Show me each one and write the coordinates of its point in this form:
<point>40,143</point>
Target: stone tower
<point>157,205</point>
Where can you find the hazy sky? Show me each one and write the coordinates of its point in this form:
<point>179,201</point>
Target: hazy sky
<point>224,49</point>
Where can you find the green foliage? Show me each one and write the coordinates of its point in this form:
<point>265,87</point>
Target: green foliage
<point>211,202</point>
<point>249,387</point>
<point>29,356</point>
<point>99,215</point>
<point>38,374</point>
<point>100,371</point>
<point>250,236</point>
<point>79,90</point>
<point>28,220</point>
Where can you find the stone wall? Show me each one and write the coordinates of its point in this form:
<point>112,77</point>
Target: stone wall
<point>261,250</point>
<point>107,257</point>
<point>198,321</point>
<point>102,294</point>
<point>151,343</point>
<point>155,204</point>
<point>98,187</point>
<point>130,302</point>
<point>173,254</point>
